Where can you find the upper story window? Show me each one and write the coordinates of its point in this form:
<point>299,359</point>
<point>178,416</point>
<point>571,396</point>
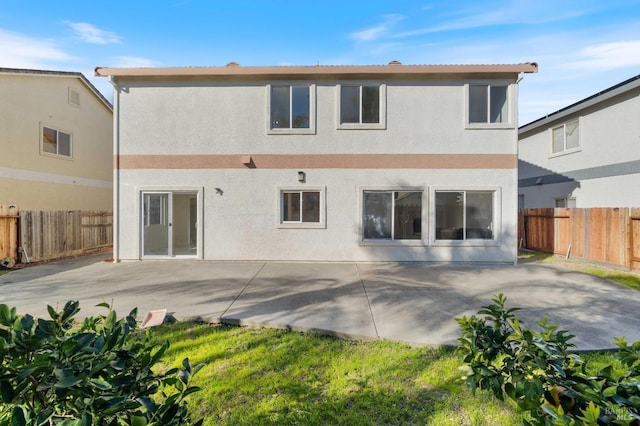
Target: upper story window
<point>362,105</point>
<point>56,142</point>
<point>565,137</point>
<point>291,108</point>
<point>488,105</point>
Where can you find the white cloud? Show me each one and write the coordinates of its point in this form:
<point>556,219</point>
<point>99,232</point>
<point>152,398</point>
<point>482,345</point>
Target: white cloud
<point>608,56</point>
<point>134,62</point>
<point>379,30</point>
<point>19,51</point>
<point>90,34</point>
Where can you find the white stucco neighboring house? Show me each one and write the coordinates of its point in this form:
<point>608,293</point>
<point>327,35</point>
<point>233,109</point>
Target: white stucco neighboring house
<point>584,155</point>
<point>56,135</point>
<point>316,163</point>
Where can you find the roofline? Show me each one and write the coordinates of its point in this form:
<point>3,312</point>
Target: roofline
<point>90,86</point>
<point>393,68</point>
<point>602,96</point>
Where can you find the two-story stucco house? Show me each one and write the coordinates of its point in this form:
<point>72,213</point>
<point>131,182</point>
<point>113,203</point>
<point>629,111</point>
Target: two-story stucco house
<point>317,163</point>
<point>56,135</point>
<point>584,155</point>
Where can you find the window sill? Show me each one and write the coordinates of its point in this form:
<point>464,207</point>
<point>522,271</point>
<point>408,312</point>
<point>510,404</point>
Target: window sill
<point>363,126</point>
<point>485,126</point>
<point>565,152</point>
<point>58,156</point>
<point>308,225</point>
<point>300,131</point>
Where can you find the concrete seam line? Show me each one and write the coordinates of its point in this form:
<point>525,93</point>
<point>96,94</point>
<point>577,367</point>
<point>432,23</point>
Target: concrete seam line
<point>242,291</point>
<point>366,295</point>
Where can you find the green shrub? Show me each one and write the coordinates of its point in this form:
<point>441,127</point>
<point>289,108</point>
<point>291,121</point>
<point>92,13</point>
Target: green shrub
<point>97,373</point>
<point>536,371</point>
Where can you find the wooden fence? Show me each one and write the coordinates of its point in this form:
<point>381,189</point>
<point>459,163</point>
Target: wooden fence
<point>607,235</point>
<point>46,235</point>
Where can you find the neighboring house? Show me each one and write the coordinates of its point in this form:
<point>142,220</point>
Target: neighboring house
<point>56,136</point>
<point>317,163</point>
<point>584,155</point>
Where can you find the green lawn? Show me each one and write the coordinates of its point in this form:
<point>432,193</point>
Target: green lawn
<point>265,376</point>
<point>629,279</point>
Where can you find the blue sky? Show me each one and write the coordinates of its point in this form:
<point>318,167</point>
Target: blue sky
<point>581,46</point>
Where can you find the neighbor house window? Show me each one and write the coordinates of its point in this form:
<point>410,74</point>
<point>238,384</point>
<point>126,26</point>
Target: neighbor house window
<point>464,215</point>
<point>488,104</point>
<point>392,215</point>
<point>56,142</point>
<point>291,108</point>
<point>361,105</point>
<point>565,202</point>
<point>302,208</point>
<point>565,137</point>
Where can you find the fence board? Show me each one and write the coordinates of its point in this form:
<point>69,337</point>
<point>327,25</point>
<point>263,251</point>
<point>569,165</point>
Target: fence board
<point>9,231</point>
<point>607,235</point>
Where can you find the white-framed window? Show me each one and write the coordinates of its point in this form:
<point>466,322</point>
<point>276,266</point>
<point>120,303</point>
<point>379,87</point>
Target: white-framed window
<point>489,104</point>
<point>361,105</point>
<point>565,137</point>
<point>568,202</point>
<point>301,208</point>
<point>392,215</point>
<point>465,215</point>
<point>291,108</point>
<point>56,142</point>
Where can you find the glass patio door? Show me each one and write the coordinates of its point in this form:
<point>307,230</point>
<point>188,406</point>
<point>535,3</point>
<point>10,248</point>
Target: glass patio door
<point>170,224</point>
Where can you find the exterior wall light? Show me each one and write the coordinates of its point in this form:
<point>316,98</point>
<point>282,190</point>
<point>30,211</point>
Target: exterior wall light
<point>302,177</point>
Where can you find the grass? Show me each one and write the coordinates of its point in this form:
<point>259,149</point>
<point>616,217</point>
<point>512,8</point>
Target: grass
<point>266,376</point>
<point>628,279</point>
<point>4,271</point>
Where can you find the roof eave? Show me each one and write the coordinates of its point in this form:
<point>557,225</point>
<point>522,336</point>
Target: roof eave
<point>582,104</point>
<point>327,70</point>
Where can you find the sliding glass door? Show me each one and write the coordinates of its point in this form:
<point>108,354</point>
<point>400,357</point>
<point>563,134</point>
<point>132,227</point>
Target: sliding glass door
<point>169,224</point>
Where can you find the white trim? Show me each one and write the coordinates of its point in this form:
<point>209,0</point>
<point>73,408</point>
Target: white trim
<point>381,125</point>
<point>511,107</point>
<point>497,218</point>
<point>311,130</point>
<point>322,224</point>
<point>424,230</point>
<point>32,176</point>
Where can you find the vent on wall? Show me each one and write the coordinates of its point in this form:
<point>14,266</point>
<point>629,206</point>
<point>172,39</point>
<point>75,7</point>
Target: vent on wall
<point>74,97</point>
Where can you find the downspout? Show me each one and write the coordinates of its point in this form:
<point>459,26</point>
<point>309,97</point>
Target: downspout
<point>517,189</point>
<point>116,169</point>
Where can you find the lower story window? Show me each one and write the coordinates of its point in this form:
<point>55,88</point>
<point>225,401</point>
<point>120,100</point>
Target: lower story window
<point>392,215</point>
<point>300,206</point>
<point>464,215</point>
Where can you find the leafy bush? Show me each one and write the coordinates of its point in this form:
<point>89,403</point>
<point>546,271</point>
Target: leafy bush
<point>536,371</point>
<point>98,373</point>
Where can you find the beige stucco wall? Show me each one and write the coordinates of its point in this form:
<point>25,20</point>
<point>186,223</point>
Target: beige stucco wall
<point>240,206</point>
<point>34,180</point>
